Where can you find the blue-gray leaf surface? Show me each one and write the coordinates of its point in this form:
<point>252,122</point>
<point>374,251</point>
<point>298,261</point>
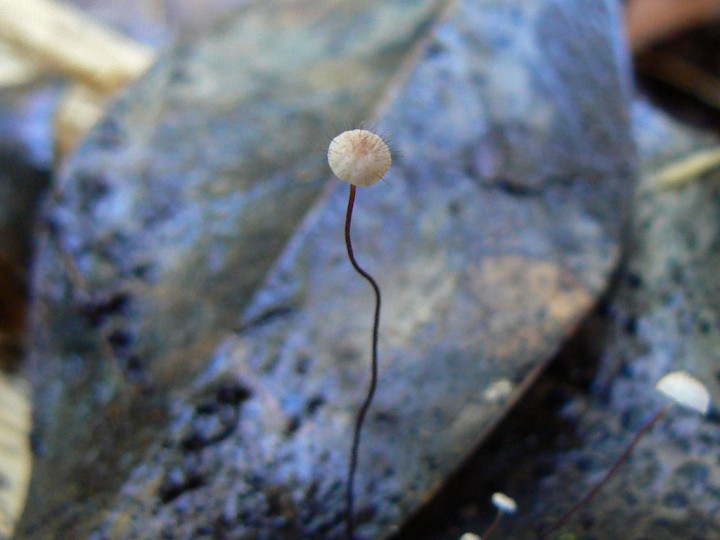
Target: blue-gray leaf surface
<point>201,344</point>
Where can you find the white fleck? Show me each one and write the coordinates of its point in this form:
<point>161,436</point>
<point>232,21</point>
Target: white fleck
<point>498,390</point>
<point>504,503</point>
<point>685,390</point>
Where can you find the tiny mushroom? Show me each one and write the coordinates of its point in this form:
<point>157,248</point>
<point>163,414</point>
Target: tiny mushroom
<point>359,157</point>
<point>685,390</point>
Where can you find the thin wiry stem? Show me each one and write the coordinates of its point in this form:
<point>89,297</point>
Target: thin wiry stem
<point>349,500</point>
<point>609,474</point>
<point>493,526</point>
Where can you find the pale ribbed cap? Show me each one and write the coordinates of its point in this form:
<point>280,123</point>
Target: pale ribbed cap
<point>359,157</point>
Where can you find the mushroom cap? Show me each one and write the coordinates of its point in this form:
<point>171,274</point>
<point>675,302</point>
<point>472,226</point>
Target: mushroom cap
<point>359,157</point>
<point>504,503</point>
<point>685,390</point>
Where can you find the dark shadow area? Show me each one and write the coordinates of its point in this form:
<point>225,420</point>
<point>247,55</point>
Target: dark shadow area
<point>682,76</point>
<point>538,425</point>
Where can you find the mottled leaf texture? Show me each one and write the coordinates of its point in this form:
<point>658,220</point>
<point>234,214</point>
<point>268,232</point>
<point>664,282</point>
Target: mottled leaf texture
<point>201,344</point>
<point>659,319</point>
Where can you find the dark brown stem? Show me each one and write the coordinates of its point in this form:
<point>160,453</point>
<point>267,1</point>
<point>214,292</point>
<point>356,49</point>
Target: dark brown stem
<point>493,526</point>
<point>609,474</point>
<point>350,522</point>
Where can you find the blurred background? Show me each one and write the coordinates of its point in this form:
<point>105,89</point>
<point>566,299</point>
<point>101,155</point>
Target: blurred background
<point>61,63</point>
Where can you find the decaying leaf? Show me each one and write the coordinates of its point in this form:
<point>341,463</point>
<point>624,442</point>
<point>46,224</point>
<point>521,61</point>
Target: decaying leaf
<point>200,342</point>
